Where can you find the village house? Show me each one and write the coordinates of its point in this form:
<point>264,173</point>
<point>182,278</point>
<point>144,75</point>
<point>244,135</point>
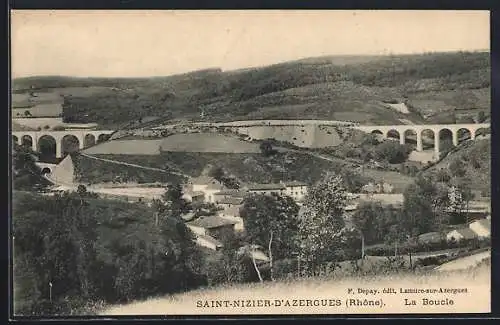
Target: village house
<point>208,186</point>
<point>377,188</point>
<point>228,202</point>
<point>233,214</point>
<point>209,230</point>
<point>461,234</point>
<point>229,193</point>
<point>266,189</point>
<point>193,196</point>
<point>297,190</point>
<point>208,242</point>
<point>481,227</point>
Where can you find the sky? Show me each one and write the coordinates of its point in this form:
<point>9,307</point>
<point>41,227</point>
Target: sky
<point>159,43</point>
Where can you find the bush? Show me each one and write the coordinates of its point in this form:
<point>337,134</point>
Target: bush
<point>457,168</point>
<point>392,152</point>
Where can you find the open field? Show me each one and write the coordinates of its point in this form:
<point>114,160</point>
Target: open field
<point>207,142</point>
<point>41,122</point>
<point>126,147</point>
<point>475,300</point>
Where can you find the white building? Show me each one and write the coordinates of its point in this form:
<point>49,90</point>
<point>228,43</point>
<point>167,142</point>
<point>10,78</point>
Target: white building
<point>481,227</point>
<point>297,190</point>
<point>208,186</point>
<point>266,189</point>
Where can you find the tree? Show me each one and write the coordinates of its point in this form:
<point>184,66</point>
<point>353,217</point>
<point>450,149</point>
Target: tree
<point>459,197</point>
<point>321,223</point>
<point>81,190</point>
<point>266,148</point>
<point>392,152</point>
<point>481,117</point>
<point>26,174</point>
<point>424,207</point>
<point>353,181</point>
<point>216,172</point>
<point>271,221</point>
<point>368,221</point>
<point>174,203</point>
<point>442,175</point>
<point>457,168</point>
<point>27,113</point>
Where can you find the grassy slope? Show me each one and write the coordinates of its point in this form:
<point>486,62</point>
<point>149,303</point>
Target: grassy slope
<point>343,88</point>
<point>324,288</point>
<point>479,176</point>
<point>246,167</point>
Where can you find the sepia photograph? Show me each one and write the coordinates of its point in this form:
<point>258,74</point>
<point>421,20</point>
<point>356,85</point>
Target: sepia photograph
<point>250,162</point>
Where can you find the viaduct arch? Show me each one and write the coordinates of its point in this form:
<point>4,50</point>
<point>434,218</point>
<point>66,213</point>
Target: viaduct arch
<point>401,132</point>
<point>84,138</point>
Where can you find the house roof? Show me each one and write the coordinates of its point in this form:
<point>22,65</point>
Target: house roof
<point>210,222</point>
<point>210,240</point>
<point>188,216</point>
<point>231,200</point>
<point>264,187</point>
<point>232,192</point>
<point>466,233</point>
<point>294,184</point>
<point>233,211</point>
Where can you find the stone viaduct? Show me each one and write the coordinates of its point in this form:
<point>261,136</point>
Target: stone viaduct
<point>84,138</point>
<point>402,132</point>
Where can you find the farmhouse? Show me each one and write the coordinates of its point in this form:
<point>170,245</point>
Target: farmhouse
<point>461,234</point>
<point>267,189</point>
<point>233,214</point>
<point>377,188</point>
<point>297,190</point>
<point>212,226</point>
<point>193,196</point>
<point>208,186</point>
<point>482,228</point>
<point>229,193</point>
<point>208,242</point>
<point>228,202</point>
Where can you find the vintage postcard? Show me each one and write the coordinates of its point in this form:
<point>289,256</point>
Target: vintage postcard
<point>250,162</point>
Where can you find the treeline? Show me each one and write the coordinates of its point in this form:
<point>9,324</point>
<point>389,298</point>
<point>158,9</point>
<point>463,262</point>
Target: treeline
<point>26,175</point>
<point>427,207</point>
<point>367,147</point>
<point>223,93</point>
<point>71,251</point>
<point>471,164</point>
